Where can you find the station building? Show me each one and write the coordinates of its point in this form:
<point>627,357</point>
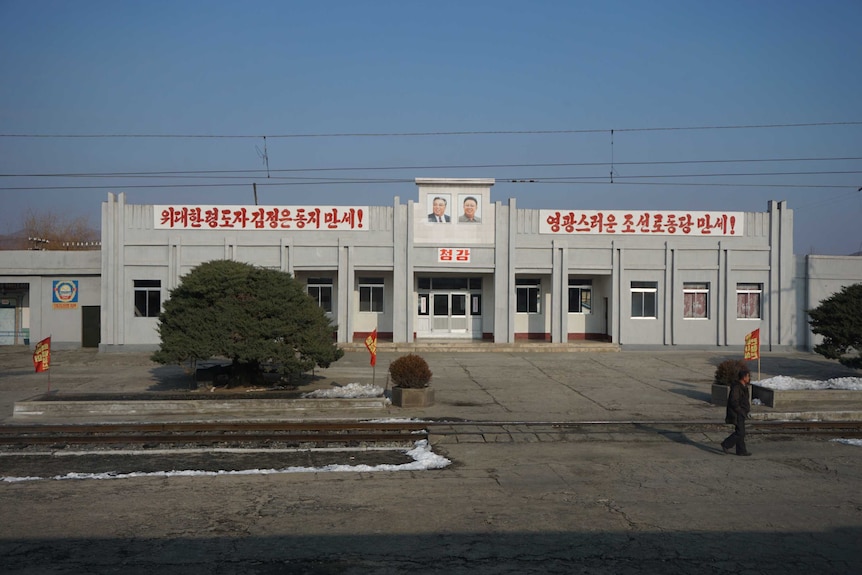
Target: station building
<point>453,264</point>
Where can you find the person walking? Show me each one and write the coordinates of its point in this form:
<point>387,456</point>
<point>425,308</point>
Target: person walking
<point>738,409</point>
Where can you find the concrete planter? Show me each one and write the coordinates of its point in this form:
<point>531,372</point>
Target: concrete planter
<point>407,397</point>
<point>810,397</point>
<point>154,404</point>
<point>720,393</point>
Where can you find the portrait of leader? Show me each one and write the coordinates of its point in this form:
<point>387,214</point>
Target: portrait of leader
<point>439,205</point>
<point>471,210</point>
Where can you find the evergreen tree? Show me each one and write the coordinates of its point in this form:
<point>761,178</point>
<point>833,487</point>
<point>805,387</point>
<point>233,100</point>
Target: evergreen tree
<point>251,315</point>
<point>839,320</point>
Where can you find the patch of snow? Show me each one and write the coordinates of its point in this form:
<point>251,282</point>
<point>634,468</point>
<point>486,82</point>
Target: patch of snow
<point>782,382</point>
<point>423,458</point>
<point>349,391</point>
<point>397,420</point>
<point>856,442</point>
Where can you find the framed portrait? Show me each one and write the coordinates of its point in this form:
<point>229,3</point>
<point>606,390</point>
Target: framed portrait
<point>439,208</point>
<point>469,209</point>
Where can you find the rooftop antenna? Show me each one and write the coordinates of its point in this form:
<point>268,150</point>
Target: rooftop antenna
<point>264,156</point>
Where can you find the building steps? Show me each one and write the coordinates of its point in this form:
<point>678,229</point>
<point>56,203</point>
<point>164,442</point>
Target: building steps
<point>472,345</point>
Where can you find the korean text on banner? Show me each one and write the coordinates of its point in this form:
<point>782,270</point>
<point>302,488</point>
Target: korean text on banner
<point>42,355</point>
<point>752,345</point>
<point>371,344</point>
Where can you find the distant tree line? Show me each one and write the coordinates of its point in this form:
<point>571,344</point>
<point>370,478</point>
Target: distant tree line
<point>51,231</point>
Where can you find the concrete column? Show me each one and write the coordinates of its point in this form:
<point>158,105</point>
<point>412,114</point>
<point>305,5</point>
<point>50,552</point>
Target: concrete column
<point>345,294</point>
<point>403,311</point>
<point>504,273</point>
<point>729,298</point>
<point>114,287</point>
<point>617,293</point>
<point>557,278</point>
<point>669,291</point>
<point>108,301</point>
<point>175,263</point>
<point>286,261</point>
<point>564,291</point>
<point>786,270</point>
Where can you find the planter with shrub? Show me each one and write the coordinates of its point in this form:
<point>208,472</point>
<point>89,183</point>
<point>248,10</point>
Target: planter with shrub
<point>410,380</point>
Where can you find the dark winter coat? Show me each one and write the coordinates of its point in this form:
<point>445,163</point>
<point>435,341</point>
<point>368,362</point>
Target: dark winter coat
<point>738,404</point>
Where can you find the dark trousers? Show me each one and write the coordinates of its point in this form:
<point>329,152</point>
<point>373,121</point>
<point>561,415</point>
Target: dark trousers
<point>736,438</point>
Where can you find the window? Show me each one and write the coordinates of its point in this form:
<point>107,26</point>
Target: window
<point>527,294</point>
<point>644,299</point>
<point>320,290</point>
<point>450,283</point>
<point>580,296</point>
<point>147,297</point>
<point>748,298</point>
<point>371,294</point>
<point>475,304</point>
<point>424,304</point>
<point>695,300</point>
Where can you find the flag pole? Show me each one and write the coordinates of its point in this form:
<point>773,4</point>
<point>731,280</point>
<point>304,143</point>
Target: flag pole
<point>50,335</point>
<point>371,345</point>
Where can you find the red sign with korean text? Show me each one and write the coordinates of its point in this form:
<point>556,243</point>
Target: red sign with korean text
<point>622,223</point>
<point>371,346</point>
<point>42,355</point>
<point>295,218</point>
<point>459,255</point>
<point>752,345</point>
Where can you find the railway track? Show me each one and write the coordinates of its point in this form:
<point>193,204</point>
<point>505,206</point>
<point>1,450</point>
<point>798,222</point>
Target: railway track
<point>576,430</point>
<point>363,433</point>
<point>318,434</point>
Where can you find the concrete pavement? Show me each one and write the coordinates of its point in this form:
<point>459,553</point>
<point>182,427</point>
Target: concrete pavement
<point>603,504</point>
<point>487,386</point>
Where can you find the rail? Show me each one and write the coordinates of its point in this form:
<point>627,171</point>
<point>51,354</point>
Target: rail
<point>292,433</point>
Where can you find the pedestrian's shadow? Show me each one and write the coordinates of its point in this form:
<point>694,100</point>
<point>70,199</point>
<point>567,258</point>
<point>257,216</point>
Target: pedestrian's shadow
<point>691,390</point>
<point>679,437</point>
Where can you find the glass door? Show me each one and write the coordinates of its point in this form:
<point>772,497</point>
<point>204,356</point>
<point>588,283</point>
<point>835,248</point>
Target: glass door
<point>450,312</point>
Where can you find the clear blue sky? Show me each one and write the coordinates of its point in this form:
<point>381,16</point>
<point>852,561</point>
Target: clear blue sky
<point>279,68</point>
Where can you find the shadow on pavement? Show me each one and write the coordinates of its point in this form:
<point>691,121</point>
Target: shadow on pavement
<point>602,552</point>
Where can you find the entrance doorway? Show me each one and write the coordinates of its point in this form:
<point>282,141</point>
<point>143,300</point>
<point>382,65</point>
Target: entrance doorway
<point>91,323</point>
<point>449,312</point>
<point>449,307</point>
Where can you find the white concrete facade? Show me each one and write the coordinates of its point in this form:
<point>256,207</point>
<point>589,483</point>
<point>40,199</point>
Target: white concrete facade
<point>664,278</point>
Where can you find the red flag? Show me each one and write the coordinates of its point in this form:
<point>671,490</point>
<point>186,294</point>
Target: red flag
<point>371,344</point>
<point>42,355</point>
<point>752,345</point>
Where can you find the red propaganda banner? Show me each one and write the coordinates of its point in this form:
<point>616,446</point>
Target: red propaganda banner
<point>371,344</point>
<point>752,345</point>
<point>42,355</point>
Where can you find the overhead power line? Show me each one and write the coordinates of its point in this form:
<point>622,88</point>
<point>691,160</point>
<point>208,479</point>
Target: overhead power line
<point>546,181</point>
<point>260,173</point>
<point>441,133</point>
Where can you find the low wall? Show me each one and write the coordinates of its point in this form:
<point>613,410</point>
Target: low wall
<point>785,397</point>
<point>188,408</point>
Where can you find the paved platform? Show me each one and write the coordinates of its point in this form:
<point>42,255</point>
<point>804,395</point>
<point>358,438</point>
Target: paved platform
<point>499,385</point>
<point>603,503</point>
